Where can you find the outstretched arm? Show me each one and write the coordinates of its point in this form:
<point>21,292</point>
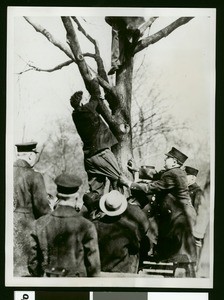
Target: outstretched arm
<point>95,94</point>
<point>166,183</point>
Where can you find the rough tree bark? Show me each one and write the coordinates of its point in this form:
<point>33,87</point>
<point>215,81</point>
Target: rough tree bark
<point>119,97</point>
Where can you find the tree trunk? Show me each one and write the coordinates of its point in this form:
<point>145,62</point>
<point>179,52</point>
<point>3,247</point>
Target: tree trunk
<point>123,151</point>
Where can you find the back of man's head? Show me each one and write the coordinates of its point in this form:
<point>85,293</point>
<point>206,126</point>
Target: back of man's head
<point>76,99</point>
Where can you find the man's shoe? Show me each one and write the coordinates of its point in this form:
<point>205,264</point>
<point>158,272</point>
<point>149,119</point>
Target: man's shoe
<point>113,70</point>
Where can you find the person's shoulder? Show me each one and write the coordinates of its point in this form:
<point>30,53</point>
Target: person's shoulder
<point>177,171</point>
<point>174,173</point>
<point>42,221</point>
<point>136,212</point>
<point>169,172</point>
<point>36,174</point>
<point>22,164</point>
<point>84,221</point>
<point>197,187</point>
<point>132,208</point>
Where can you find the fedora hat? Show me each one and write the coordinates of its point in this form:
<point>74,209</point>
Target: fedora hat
<point>175,153</point>
<point>113,203</point>
<point>191,171</point>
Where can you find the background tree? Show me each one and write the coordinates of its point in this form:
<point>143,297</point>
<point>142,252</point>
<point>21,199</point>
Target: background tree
<point>59,154</point>
<point>119,94</point>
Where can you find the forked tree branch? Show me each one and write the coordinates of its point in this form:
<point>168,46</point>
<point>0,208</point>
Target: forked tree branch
<point>100,66</point>
<point>146,25</point>
<point>85,69</point>
<point>76,50</point>
<point>51,38</point>
<point>161,34</point>
<point>80,28</point>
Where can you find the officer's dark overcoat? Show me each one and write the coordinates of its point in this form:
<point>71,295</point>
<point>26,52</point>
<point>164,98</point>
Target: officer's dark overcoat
<point>30,202</point>
<point>176,215</point>
<point>121,238</point>
<point>197,195</point>
<point>93,131</point>
<point>64,240</point>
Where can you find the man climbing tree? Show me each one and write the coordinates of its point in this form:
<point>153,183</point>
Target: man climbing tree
<point>125,32</point>
<point>99,161</point>
<point>119,96</point>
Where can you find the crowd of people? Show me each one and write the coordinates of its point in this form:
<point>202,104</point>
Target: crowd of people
<point>163,218</point>
<point>111,232</point>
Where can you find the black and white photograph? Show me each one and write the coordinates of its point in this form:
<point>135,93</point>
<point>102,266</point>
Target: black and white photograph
<point>110,143</point>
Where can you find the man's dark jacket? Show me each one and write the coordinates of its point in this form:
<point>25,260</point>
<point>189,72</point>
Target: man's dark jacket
<point>93,131</point>
<point>120,240</point>
<point>30,202</point>
<point>30,194</point>
<point>196,195</point>
<point>64,240</point>
<point>173,181</point>
<point>176,215</point>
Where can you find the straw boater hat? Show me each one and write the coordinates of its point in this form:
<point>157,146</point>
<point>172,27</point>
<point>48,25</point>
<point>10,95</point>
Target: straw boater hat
<point>113,203</point>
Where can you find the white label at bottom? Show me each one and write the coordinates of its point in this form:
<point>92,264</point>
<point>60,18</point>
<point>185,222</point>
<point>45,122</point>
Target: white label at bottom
<point>24,295</point>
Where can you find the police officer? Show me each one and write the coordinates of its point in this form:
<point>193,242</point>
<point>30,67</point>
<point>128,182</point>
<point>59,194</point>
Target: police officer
<point>125,31</point>
<point>176,215</point>
<point>195,190</point>
<point>201,206</point>
<point>64,243</point>
<point>30,202</point>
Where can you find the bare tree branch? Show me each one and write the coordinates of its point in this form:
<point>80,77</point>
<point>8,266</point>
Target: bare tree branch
<point>147,24</point>
<point>161,34</point>
<point>97,57</point>
<point>50,37</point>
<point>73,42</point>
<point>67,51</point>
<point>80,28</point>
<point>76,50</point>
<point>85,71</point>
<point>58,67</point>
<point>143,120</point>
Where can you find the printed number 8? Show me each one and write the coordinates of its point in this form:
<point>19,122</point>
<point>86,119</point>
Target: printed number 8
<point>25,296</point>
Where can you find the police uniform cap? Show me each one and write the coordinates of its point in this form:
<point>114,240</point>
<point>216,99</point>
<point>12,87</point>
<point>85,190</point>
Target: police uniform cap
<point>27,147</point>
<point>175,153</point>
<point>191,171</point>
<point>67,183</point>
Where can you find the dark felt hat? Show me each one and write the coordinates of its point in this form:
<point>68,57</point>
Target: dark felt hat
<point>27,147</point>
<point>68,184</point>
<point>175,153</point>
<point>191,171</point>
